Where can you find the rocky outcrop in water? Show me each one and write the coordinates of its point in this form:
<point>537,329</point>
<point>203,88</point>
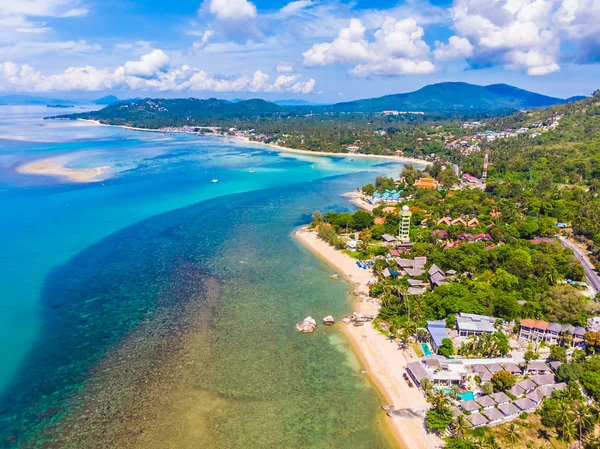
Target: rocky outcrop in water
<point>308,325</point>
<point>329,320</point>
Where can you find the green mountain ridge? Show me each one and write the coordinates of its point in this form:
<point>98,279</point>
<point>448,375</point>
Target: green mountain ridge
<point>453,97</point>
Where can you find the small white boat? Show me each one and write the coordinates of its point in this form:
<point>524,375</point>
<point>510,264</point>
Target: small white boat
<point>251,171</point>
<point>215,180</point>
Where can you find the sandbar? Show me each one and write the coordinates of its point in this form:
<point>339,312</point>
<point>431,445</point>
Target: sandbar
<point>55,166</point>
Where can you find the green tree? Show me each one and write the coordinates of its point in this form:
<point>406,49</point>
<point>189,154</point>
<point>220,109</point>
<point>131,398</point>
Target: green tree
<point>448,178</point>
<point>438,420</point>
<point>368,189</point>
<point>447,348</point>
<point>317,217</point>
<point>512,433</point>
<point>503,380</point>
<point>558,353</point>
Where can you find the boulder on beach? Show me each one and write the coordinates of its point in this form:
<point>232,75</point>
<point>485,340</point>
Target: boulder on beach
<point>329,320</point>
<point>346,320</point>
<point>308,324</point>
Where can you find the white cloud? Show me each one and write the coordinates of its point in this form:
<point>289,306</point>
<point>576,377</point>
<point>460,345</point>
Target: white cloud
<point>285,67</point>
<point>233,10</point>
<point>456,48</point>
<point>148,65</point>
<point>398,48</point>
<point>150,72</point>
<point>33,48</point>
<point>519,34</point>
<point>295,7</point>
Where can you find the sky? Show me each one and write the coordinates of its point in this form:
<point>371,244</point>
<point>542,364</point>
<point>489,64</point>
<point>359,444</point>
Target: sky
<point>316,50</point>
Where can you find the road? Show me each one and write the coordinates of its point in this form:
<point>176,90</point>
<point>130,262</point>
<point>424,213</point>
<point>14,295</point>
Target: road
<point>591,275</point>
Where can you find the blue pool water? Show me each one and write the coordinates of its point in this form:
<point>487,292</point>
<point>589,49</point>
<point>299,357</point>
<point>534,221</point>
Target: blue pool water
<point>426,350</point>
<point>468,396</point>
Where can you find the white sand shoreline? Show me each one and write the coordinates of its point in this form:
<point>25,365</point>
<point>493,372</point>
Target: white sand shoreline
<point>281,148</point>
<point>385,362</point>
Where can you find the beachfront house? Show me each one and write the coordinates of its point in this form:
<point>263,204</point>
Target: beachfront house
<point>472,324</point>
<point>437,332</point>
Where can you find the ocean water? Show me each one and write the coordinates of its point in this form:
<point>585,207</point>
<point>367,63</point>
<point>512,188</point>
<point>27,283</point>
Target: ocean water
<point>156,306</point>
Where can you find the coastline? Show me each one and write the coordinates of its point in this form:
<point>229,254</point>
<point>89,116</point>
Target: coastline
<point>279,147</point>
<point>55,167</point>
<point>384,361</point>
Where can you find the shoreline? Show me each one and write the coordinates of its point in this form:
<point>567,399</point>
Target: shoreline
<point>55,167</point>
<point>382,358</point>
<point>276,147</point>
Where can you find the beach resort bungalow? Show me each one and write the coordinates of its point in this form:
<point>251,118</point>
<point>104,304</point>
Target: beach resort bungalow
<point>437,332</point>
<point>532,329</point>
<point>427,183</point>
<point>440,234</point>
<point>543,380</point>
<point>527,385</point>
<point>509,410</point>
<point>500,398</point>
<point>472,324</point>
<point>494,416</point>
<point>477,420</point>
<point>537,367</point>
<point>512,368</point>
<point>387,238</point>
<point>525,405</point>
<point>470,406</point>
<point>536,396</point>
<point>445,221</point>
<point>484,374</point>
<point>486,402</point>
<point>436,276</point>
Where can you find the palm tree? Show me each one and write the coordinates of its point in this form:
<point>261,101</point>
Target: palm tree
<point>460,426</point>
<point>455,391</point>
<point>568,432</point>
<point>583,419</point>
<point>513,434</point>
<point>439,400</point>
<point>427,386</point>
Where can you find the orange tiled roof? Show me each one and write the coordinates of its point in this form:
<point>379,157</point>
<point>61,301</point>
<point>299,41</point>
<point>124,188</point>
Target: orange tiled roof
<point>427,183</point>
<point>528,323</point>
<point>541,325</point>
<point>379,220</point>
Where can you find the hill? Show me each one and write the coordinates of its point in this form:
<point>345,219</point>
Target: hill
<point>159,112</point>
<point>453,97</point>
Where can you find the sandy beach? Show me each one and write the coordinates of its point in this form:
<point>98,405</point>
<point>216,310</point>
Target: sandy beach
<point>383,359</point>
<point>55,166</point>
<point>356,199</point>
<point>245,140</point>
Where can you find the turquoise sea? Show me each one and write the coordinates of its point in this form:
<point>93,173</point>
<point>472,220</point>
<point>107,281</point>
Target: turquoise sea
<point>156,306</point>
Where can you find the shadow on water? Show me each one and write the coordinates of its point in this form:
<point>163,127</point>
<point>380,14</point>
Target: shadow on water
<point>129,279</point>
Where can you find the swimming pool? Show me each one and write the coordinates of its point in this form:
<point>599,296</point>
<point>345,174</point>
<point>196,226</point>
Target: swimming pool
<point>426,350</point>
<point>468,396</point>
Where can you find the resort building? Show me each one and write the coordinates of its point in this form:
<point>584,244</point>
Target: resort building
<point>551,332</point>
<point>471,324</point>
<point>427,183</point>
<point>437,276</point>
<point>404,231</point>
<point>437,332</point>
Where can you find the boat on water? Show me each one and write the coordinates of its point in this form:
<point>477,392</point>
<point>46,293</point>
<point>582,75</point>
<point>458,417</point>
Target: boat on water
<point>214,180</point>
<point>251,171</point>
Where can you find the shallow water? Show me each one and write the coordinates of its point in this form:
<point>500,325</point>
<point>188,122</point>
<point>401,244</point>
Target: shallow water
<point>87,267</point>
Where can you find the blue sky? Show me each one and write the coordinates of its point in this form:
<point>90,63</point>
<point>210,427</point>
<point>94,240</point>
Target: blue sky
<point>318,50</point>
